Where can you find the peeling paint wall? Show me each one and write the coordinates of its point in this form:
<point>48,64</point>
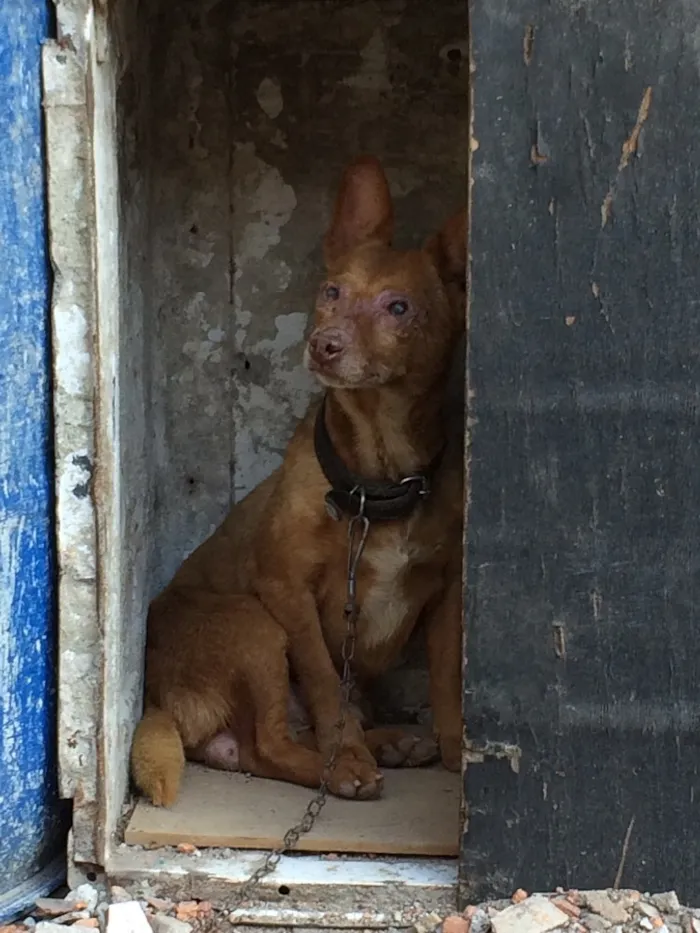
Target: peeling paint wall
<point>190,319</point>
<point>73,310</point>
<point>123,170</point>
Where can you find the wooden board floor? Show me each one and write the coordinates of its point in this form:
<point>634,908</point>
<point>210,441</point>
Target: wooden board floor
<point>417,815</point>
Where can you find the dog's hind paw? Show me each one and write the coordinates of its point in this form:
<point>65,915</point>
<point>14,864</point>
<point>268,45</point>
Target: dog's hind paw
<point>408,751</point>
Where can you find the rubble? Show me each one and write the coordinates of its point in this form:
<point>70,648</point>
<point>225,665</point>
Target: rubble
<point>127,917</point>
<point>456,924</point>
<point>530,915</point>
<point>667,903</point>
<point>427,923</point>
<point>163,923</point>
<point>603,904</point>
<point>116,910</point>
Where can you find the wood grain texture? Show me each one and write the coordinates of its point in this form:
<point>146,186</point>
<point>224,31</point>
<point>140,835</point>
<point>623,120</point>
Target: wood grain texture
<point>417,815</point>
<point>584,544</point>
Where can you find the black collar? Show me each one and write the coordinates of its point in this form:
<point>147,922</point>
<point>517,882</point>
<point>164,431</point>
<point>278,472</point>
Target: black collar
<point>377,500</point>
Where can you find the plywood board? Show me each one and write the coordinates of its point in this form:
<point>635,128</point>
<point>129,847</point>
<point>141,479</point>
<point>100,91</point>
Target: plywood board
<point>417,815</point>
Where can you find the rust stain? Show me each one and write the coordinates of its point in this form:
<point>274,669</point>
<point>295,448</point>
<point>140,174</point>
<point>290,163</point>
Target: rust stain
<point>629,147</point>
<point>559,640</point>
<point>536,157</point>
<point>528,43</point>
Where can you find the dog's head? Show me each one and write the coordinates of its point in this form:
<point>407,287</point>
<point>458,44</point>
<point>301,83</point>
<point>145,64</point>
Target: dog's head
<point>382,315</point>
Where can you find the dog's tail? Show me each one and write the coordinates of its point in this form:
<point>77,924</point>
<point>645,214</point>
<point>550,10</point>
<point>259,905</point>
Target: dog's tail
<point>157,757</point>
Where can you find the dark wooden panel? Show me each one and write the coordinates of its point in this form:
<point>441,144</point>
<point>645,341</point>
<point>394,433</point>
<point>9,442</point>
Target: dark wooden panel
<point>584,534</point>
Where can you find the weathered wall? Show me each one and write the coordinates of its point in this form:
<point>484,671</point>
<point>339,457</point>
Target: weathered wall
<point>124,73</point>
<point>254,116</point>
<point>71,228</point>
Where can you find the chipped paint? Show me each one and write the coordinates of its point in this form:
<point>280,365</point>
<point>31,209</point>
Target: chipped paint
<point>71,220</point>
<point>373,72</point>
<point>269,97</point>
<point>264,201</point>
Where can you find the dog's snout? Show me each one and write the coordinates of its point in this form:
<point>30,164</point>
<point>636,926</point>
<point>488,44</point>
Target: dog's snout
<point>327,344</point>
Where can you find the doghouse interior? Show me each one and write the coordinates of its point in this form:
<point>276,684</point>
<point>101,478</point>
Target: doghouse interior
<point>235,121</point>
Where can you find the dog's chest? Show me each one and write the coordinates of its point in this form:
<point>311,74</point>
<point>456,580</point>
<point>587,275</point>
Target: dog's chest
<point>386,599</point>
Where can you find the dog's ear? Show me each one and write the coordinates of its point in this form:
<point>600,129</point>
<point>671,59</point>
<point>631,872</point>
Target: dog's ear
<point>448,249</point>
<point>363,209</point>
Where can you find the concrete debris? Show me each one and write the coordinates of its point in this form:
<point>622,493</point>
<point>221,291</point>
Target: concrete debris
<point>667,903</point>
<point>479,919</point>
<point>532,915</point>
<point>93,907</point>
<point>119,895</point>
<point>427,923</point>
<point>85,897</point>
<point>605,905</point>
<point>127,917</point>
<point>49,926</point>
<point>160,904</point>
<point>162,923</point>
<point>54,906</point>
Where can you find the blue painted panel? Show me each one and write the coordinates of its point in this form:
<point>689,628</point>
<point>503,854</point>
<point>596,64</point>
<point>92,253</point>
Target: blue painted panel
<point>30,834</point>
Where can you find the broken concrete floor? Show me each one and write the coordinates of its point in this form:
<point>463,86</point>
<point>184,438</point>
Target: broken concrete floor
<point>114,910</point>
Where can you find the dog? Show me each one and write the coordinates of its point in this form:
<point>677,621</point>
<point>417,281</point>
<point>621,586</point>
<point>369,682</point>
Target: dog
<point>269,587</point>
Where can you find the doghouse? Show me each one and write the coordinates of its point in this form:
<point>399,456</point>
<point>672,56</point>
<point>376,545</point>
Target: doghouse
<point>192,149</point>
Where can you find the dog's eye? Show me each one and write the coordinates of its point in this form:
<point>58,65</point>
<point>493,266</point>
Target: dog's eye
<point>331,292</point>
<point>397,308</point>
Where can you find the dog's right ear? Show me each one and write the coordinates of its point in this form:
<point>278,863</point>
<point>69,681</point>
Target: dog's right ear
<point>363,209</point>
<point>448,250</point>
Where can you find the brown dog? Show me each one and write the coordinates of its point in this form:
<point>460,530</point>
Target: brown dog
<point>270,584</point>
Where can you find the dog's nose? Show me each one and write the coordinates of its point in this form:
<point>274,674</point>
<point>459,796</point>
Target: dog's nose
<point>327,344</point>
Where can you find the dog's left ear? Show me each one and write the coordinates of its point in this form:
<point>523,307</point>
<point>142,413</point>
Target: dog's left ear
<point>448,250</point>
<point>363,209</point>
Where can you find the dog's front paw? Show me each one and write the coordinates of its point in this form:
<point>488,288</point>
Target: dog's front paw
<point>451,752</point>
<point>356,776</point>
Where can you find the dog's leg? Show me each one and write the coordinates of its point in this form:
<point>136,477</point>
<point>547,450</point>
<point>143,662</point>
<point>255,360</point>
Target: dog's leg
<point>444,643</point>
<point>275,754</point>
<point>222,752</point>
<point>318,679</point>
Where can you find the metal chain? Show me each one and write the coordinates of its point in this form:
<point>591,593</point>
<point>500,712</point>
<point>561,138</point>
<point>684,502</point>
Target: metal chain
<point>358,531</point>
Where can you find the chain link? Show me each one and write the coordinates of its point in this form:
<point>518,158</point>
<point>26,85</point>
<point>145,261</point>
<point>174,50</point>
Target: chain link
<point>358,531</point>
